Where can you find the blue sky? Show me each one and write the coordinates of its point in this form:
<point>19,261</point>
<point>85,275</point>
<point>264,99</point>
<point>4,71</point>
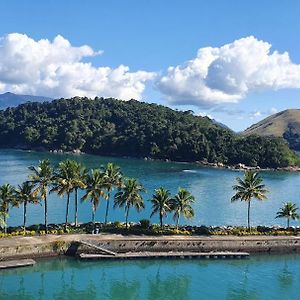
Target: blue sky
<point>149,37</point>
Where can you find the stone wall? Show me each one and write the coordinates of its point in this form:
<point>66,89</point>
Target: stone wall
<point>70,244</point>
<point>287,245</point>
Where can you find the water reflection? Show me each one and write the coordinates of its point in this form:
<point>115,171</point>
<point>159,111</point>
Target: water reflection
<point>262,277</point>
<point>71,292</point>
<point>285,277</point>
<point>170,287</point>
<point>124,290</point>
<point>243,291</point>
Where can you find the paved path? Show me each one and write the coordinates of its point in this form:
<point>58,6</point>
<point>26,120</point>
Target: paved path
<point>45,239</point>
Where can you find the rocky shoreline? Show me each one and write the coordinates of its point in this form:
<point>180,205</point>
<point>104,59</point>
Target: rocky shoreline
<point>204,163</point>
<point>243,167</point>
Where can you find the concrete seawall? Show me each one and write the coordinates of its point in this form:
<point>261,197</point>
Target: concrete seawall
<point>53,245</point>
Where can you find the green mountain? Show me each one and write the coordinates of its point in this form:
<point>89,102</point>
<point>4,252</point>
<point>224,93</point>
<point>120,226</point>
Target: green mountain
<point>136,129</point>
<point>284,124</point>
<point>12,100</point>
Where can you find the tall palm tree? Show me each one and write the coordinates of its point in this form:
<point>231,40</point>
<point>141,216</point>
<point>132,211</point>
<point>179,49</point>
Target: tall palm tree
<point>95,189</point>
<point>25,195</point>
<point>288,211</point>
<point>79,182</point>
<point>130,196</point>
<point>41,178</point>
<point>161,203</point>
<point>181,204</point>
<point>251,186</point>
<point>63,182</point>
<point>7,199</point>
<point>2,217</point>
<point>113,178</point>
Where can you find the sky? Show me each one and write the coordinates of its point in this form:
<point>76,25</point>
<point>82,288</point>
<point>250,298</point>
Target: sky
<point>235,61</point>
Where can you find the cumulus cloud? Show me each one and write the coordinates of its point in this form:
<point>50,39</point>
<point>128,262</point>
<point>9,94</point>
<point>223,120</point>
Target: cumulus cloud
<point>205,114</point>
<point>56,69</point>
<point>255,114</point>
<point>227,74</point>
<point>273,110</point>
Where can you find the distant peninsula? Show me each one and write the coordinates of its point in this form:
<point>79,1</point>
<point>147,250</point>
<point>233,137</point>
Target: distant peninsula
<point>136,129</point>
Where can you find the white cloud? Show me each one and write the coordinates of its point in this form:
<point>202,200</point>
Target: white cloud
<point>273,110</point>
<point>255,114</point>
<point>228,73</point>
<point>56,69</point>
<point>205,114</point>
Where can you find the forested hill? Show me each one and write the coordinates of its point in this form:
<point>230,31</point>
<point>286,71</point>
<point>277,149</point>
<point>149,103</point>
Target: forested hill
<point>137,129</point>
<point>284,124</point>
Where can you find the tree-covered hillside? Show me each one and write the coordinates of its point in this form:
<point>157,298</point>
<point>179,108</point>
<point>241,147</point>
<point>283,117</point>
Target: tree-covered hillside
<point>284,124</point>
<point>113,127</point>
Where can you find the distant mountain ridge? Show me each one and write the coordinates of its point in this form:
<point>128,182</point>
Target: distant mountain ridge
<point>12,100</point>
<point>284,124</point>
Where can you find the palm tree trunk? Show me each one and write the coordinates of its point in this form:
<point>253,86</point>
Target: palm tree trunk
<point>249,216</point>
<point>161,219</point>
<point>5,219</point>
<point>24,216</point>
<point>67,210</point>
<point>76,207</point>
<point>288,222</point>
<point>93,214</point>
<point>46,215</point>
<point>126,218</point>
<point>177,221</point>
<point>107,208</point>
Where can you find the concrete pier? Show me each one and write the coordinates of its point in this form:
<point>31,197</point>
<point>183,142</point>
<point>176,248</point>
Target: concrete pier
<point>8,264</point>
<point>157,255</point>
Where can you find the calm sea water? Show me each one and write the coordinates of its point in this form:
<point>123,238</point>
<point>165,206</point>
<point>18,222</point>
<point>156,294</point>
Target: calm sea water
<point>260,277</point>
<point>211,187</point>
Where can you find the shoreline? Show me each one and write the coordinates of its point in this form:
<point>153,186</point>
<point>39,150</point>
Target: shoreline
<point>70,244</point>
<point>214,165</point>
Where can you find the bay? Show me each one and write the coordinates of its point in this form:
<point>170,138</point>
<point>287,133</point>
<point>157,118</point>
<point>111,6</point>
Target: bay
<point>212,189</point>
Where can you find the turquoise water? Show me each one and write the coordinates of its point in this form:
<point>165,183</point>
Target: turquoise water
<point>211,187</point>
<point>260,277</point>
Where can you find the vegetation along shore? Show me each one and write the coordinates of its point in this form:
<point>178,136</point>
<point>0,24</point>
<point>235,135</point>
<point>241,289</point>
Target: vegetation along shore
<point>136,129</point>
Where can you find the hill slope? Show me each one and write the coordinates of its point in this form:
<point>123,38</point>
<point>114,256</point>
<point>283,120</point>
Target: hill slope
<point>284,124</point>
<point>13,100</point>
<point>133,128</point>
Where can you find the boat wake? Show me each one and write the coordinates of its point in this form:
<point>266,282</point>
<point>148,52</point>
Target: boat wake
<point>189,171</point>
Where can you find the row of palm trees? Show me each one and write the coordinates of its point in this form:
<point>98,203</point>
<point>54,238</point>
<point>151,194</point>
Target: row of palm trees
<point>251,187</point>
<point>71,176</point>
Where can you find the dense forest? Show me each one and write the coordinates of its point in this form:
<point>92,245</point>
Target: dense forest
<point>137,129</point>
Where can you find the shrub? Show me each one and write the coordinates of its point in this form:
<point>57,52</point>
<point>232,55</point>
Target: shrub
<point>145,223</point>
<point>203,230</point>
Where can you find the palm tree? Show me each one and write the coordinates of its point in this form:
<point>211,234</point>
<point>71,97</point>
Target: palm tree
<point>249,187</point>
<point>25,195</point>
<point>95,190</point>
<point>130,196</point>
<point>7,199</point>
<point>41,178</point>
<point>63,182</point>
<point>113,178</point>
<point>79,182</point>
<point>181,205</point>
<point>288,211</point>
<point>161,203</point>
<point>2,217</point>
